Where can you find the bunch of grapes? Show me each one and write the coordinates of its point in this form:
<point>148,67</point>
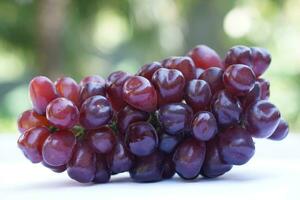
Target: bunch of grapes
<point>191,115</point>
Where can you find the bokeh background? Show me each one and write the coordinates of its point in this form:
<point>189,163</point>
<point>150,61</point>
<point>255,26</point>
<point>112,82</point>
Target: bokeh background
<point>77,38</point>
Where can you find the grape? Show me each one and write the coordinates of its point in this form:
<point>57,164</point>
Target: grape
<point>95,112</point>
<point>281,131</point>
<point>42,92</point>
<point>68,88</point>
<point>264,86</point>
<point>114,89</point>
<point>256,58</point>
<point>204,57</point>
<point>58,147</point>
<point>90,79</point>
<point>175,118</point>
<point>120,159</point>
<point>102,174</point>
<point>63,113</point>
<point>148,168</point>
<point>92,89</point>
<point>204,126</point>
<point>169,84</point>
<point>183,64</point>
<point>226,108</point>
<point>31,143</point>
<point>102,140</point>
<point>198,95</point>
<point>82,166</point>
<point>141,138</point>
<point>188,158</point>
<point>261,119</point>
<point>148,70</point>
<point>30,119</point>
<point>127,116</point>
<point>236,146</point>
<point>214,77</point>
<point>213,166</point>
<point>57,169</point>
<point>168,167</point>
<point>168,143</point>
<point>140,93</point>
<point>238,79</point>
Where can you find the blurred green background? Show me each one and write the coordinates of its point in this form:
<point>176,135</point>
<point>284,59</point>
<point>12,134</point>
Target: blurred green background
<point>77,38</point>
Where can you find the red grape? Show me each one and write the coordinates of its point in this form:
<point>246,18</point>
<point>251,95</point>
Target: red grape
<point>114,89</point>
<point>30,119</point>
<point>238,79</point>
<point>140,93</point>
<point>68,88</point>
<point>169,84</point>
<point>31,143</point>
<point>42,92</point>
<point>58,148</point>
<point>148,70</point>
<point>183,64</point>
<point>63,113</point>
<point>102,140</point>
<point>95,112</point>
<point>204,57</point>
<point>214,77</point>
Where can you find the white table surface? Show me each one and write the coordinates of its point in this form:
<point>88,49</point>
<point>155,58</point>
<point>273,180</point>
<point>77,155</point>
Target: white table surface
<point>273,173</point>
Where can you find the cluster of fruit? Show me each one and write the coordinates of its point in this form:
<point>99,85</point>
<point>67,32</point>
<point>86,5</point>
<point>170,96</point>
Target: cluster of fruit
<point>189,115</point>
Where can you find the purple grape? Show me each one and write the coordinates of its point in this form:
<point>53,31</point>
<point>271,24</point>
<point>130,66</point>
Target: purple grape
<point>236,146</point>
<point>281,131</point>
<point>103,173</point>
<point>102,140</point>
<point>204,126</point>
<point>214,77</point>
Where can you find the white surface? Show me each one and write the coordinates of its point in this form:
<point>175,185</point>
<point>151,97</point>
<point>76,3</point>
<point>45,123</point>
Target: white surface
<point>273,173</point>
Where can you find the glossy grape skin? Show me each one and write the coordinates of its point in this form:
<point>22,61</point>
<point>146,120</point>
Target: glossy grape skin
<point>129,115</point>
<point>103,172</point>
<point>148,168</point>
<point>31,143</point>
<point>198,73</point>
<point>140,93</point>
<point>68,88</point>
<point>58,148</point>
<point>251,97</point>
<point>82,166</point>
<point>236,146</point>
<point>184,64</point>
<point>30,119</point>
<point>168,143</point>
<point>114,89</point>
<point>120,160</point>
<point>141,138</point>
<point>56,169</point>
<point>205,57</point>
<point>188,158</point>
<point>169,84</point>
<point>214,77</point>
<point>264,86</point>
<point>90,79</point>
<point>95,112</point>
<point>204,126</point>
<point>226,108</point>
<point>198,95</point>
<point>168,167</point>
<point>281,131</point>
<point>175,118</point>
<point>62,113</point>
<point>148,70</point>
<point>92,89</point>
<point>256,58</point>
<point>42,92</point>
<point>213,166</point>
<point>102,140</point>
<point>239,79</point>
<point>261,119</point>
